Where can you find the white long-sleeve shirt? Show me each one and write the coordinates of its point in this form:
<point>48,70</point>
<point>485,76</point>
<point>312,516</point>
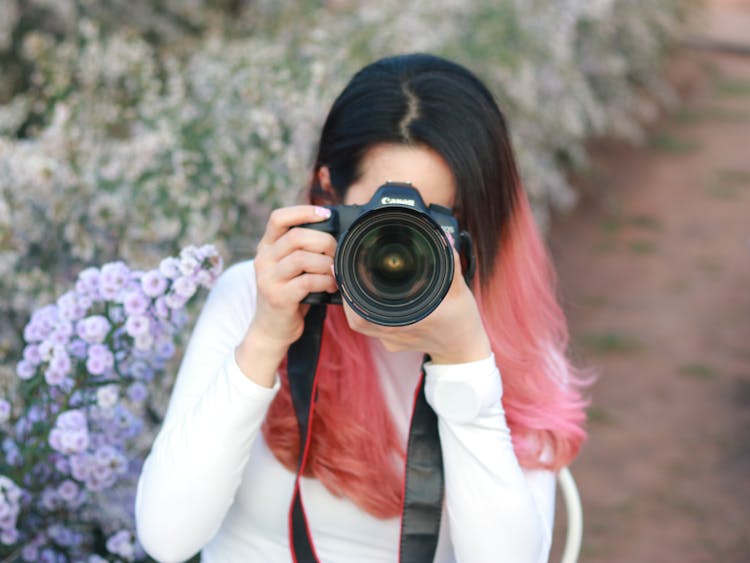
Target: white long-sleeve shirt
<point>211,483</point>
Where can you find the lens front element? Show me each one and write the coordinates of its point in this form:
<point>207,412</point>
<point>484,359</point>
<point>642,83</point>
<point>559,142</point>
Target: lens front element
<point>394,266</point>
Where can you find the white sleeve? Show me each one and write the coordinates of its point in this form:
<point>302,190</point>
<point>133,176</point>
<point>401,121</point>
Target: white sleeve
<point>496,510</point>
<point>189,479</point>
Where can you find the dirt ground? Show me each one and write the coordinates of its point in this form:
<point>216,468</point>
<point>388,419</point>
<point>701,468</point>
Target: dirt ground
<point>654,270</point>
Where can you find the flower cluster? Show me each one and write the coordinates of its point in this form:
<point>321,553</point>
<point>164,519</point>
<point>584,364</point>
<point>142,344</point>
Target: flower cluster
<point>71,435</point>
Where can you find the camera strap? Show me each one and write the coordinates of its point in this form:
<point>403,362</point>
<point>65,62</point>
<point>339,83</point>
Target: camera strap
<point>423,479</point>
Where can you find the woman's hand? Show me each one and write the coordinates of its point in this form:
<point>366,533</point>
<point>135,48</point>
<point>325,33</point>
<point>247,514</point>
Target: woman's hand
<point>452,334</point>
<point>290,263</point>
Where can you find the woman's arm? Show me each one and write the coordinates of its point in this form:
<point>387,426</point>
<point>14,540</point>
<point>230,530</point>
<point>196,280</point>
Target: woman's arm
<point>496,511</point>
<point>226,383</point>
<point>190,477</point>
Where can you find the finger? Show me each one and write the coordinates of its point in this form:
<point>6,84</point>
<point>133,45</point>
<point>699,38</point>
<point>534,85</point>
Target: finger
<point>301,286</point>
<point>281,220</point>
<point>458,275</point>
<point>304,239</point>
<point>356,322</point>
<point>303,262</point>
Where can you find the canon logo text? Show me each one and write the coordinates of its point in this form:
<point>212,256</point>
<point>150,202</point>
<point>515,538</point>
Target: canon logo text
<point>390,200</point>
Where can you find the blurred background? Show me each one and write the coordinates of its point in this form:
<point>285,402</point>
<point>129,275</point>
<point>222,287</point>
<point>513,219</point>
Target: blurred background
<point>129,129</point>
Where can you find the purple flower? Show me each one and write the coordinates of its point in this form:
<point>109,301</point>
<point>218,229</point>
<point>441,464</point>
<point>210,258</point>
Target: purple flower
<point>68,490</point>
<point>36,413</point>
<point>54,377</point>
<point>137,392</point>
<point>71,420</point>
<point>47,555</point>
<point>58,338</point>
<point>93,329</point>
<point>71,306</point>
<point>46,348</point>
<point>81,466</point>
<point>32,355</point>
<point>84,302</point>
<point>69,441</point>
<point>122,544</point>
<point>100,359</point>
<point>106,396</point>
<point>165,349</point>
<point>10,496</point>
<point>60,361</point>
<point>160,308</point>
<point>204,278</point>
<point>62,465</point>
<point>104,455</point>
<point>189,263</point>
<point>9,536</point>
<point>137,325</point>
<point>153,283</point>
<point>63,330</point>
<point>12,453</point>
<point>33,332</point>
<point>60,534</point>
<point>25,370</point>
<point>78,348</point>
<point>185,287</point>
<point>140,370</point>
<point>70,434</point>
<point>50,500</point>
<point>41,324</point>
<point>88,281</point>
<point>114,275</point>
<point>144,341</point>
<point>135,302</point>
<point>174,301</point>
<point>170,267</point>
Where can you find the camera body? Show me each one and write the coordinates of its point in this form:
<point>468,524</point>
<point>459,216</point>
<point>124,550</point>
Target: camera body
<point>394,261</point>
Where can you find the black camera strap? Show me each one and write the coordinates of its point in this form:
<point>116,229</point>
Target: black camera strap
<point>423,480</point>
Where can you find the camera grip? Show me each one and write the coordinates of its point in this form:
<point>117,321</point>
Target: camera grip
<point>321,298</point>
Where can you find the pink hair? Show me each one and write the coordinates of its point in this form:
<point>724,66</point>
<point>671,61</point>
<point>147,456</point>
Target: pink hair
<point>355,448</point>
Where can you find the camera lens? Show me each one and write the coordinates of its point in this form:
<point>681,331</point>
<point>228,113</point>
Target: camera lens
<point>395,266</point>
<point>393,262</point>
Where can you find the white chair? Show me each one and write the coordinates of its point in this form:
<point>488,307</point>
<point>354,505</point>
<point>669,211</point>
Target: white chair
<point>574,516</point>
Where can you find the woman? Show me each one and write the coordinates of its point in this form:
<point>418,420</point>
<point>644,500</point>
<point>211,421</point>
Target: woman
<point>221,473</point>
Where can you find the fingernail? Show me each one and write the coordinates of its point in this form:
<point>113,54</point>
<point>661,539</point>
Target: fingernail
<point>333,272</point>
<point>322,212</point>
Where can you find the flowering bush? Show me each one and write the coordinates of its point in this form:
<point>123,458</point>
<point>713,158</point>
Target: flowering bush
<point>134,127</point>
<point>75,434</point>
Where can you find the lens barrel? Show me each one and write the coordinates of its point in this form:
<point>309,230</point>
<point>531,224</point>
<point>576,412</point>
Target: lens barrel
<point>394,266</point>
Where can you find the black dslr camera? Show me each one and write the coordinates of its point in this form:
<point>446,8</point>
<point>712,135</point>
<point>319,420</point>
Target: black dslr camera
<point>393,262</point>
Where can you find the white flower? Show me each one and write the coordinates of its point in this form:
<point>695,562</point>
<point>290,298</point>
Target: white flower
<point>107,396</point>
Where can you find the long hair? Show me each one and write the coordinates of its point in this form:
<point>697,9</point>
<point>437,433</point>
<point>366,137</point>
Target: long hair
<point>423,100</point>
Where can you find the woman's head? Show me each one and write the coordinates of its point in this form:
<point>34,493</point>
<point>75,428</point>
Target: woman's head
<point>423,101</point>
<point>434,123</point>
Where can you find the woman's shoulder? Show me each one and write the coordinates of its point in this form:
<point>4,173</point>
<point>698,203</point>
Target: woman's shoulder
<point>239,273</point>
<point>236,283</point>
